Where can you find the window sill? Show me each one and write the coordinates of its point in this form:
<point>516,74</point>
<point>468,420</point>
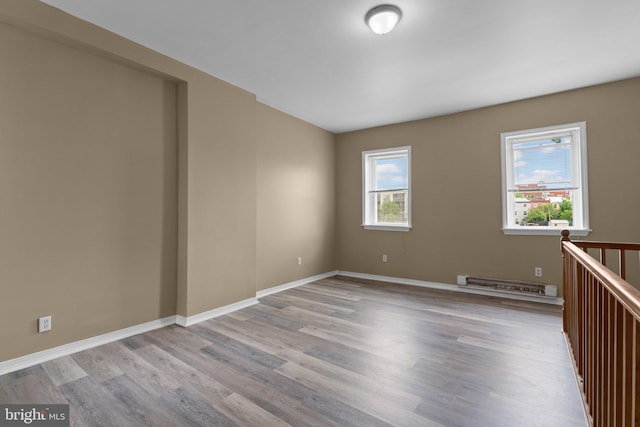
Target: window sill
<point>386,227</point>
<point>545,231</point>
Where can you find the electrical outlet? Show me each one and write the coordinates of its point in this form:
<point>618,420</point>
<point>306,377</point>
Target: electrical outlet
<point>299,260</point>
<point>384,258</point>
<point>538,271</point>
<point>44,324</point>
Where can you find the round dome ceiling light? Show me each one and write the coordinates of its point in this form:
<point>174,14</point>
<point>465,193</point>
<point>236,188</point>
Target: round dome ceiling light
<point>382,19</point>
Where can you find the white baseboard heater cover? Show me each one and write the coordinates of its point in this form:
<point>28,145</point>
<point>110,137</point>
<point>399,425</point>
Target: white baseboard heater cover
<point>511,286</point>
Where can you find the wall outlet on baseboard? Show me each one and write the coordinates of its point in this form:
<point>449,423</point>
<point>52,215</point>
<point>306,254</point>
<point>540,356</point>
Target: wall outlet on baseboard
<point>44,324</point>
<point>462,279</point>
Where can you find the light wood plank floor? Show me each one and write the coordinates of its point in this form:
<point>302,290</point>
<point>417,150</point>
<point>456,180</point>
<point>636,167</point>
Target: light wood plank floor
<point>334,352</point>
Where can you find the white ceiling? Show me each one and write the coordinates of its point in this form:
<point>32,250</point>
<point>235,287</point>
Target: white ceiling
<point>318,61</point>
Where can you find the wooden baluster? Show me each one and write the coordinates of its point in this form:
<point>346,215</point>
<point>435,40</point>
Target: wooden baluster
<point>622,263</point>
<point>606,355</point>
<point>581,323</point>
<point>636,369</point>
<point>598,356</point>
<point>579,319</point>
<point>590,356</point>
<point>587,339</point>
<point>567,286</point>
<point>628,350</point>
<point>619,364</point>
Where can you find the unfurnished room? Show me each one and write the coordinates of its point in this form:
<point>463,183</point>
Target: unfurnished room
<point>319,213</point>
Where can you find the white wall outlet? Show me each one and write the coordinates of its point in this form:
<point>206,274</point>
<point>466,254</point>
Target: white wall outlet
<point>44,324</point>
<point>299,260</point>
<point>538,271</point>
<point>384,258</point>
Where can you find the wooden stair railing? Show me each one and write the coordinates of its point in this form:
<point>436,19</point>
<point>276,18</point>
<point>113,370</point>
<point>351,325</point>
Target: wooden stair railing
<point>601,321</point>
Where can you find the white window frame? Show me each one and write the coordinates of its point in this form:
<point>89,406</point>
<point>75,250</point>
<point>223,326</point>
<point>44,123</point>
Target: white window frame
<point>369,212</point>
<point>580,201</point>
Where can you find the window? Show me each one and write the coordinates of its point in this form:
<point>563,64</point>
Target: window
<point>386,189</point>
<point>546,167</point>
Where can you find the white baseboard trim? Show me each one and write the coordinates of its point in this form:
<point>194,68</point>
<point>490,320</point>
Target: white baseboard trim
<point>85,344</point>
<point>201,317</point>
<point>294,284</point>
<point>22,362</point>
<point>74,347</point>
<point>453,288</point>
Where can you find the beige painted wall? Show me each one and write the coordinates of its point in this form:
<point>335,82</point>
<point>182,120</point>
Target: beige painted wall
<point>221,206</point>
<point>93,116</point>
<point>457,194</point>
<point>88,182</point>
<point>296,204</point>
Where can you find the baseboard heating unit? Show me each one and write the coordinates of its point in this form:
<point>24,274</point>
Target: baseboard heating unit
<point>510,286</point>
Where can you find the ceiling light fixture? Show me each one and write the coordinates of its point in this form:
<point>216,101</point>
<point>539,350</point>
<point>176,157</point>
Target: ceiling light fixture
<point>382,19</point>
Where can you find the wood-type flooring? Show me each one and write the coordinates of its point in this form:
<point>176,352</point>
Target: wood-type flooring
<point>336,352</point>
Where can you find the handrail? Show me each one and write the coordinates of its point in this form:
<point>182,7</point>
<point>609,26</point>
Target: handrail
<point>607,245</point>
<point>619,288</point>
<point>621,247</point>
<point>601,320</point>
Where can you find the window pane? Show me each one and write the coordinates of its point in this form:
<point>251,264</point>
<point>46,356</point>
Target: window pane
<point>391,173</point>
<point>546,163</point>
<point>392,207</point>
<point>386,189</point>
<point>544,172</point>
<point>544,208</point>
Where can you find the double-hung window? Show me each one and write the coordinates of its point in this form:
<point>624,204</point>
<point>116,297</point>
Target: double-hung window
<point>386,192</point>
<point>544,180</point>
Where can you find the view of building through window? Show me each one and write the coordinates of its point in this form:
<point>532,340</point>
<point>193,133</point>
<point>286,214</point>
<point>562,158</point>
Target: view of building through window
<point>544,178</point>
<point>542,206</point>
<point>391,188</point>
<point>386,188</point>
<point>391,206</point>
